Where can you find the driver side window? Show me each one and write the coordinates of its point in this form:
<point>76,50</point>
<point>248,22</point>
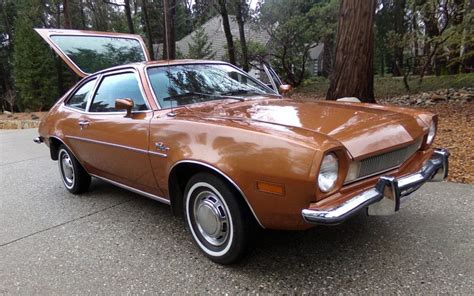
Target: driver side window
<point>118,86</point>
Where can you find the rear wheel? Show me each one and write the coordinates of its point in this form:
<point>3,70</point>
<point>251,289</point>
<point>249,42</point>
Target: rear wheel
<point>216,218</point>
<point>74,177</point>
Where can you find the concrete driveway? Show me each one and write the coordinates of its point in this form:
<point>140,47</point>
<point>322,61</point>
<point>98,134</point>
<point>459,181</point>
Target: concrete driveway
<point>110,241</point>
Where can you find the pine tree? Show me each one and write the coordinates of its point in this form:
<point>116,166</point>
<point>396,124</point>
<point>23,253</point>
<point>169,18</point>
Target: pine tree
<point>34,65</point>
<point>201,47</point>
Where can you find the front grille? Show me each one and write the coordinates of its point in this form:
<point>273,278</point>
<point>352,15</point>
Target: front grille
<point>386,161</point>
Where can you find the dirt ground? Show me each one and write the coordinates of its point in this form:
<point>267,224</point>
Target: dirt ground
<point>22,116</point>
<point>455,132</point>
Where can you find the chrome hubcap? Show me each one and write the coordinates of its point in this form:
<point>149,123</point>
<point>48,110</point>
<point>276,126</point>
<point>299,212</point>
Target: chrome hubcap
<point>67,169</point>
<point>211,218</point>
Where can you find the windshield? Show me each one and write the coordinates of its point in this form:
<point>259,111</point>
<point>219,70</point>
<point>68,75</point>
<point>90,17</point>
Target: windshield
<point>195,83</point>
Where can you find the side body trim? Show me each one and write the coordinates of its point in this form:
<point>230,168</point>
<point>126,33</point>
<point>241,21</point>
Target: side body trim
<point>137,191</point>
<point>108,144</point>
<point>163,155</point>
<point>226,177</point>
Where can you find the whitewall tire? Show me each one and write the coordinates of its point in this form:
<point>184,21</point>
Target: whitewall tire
<point>74,177</point>
<point>216,218</point>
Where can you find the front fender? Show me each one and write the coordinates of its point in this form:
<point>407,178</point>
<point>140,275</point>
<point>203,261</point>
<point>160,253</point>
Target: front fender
<point>246,155</point>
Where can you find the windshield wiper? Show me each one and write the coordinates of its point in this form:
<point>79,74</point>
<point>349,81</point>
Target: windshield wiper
<point>191,94</point>
<point>240,92</point>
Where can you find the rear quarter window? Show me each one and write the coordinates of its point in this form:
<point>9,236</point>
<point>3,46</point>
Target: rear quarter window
<point>79,99</point>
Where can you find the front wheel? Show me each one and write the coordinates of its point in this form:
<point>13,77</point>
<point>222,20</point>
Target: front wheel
<point>216,218</point>
<point>74,177</point>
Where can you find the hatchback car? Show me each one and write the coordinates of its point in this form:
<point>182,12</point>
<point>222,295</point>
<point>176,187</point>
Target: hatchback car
<point>224,150</point>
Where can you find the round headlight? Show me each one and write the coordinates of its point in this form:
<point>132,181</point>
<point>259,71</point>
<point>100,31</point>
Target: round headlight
<point>328,173</point>
<point>431,133</point>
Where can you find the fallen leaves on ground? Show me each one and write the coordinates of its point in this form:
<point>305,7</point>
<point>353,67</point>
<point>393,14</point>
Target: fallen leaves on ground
<point>456,133</point>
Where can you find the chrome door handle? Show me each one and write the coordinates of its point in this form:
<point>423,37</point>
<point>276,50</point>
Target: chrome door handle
<point>83,123</point>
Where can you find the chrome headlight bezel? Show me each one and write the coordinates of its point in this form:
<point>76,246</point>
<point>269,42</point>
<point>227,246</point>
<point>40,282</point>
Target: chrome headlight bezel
<point>328,172</point>
<point>431,133</point>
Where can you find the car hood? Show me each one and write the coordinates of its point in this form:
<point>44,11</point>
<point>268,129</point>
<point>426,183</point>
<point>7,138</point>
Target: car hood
<point>361,128</point>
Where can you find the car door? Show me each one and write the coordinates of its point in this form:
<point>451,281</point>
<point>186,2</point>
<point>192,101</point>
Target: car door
<point>108,144</point>
<point>72,112</point>
<point>273,79</point>
<point>114,146</point>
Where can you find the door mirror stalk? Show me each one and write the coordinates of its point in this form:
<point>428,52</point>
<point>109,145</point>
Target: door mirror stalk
<point>124,104</point>
<point>285,88</point>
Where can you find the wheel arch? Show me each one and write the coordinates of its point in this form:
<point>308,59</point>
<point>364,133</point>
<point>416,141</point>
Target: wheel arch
<point>183,170</point>
<point>54,144</point>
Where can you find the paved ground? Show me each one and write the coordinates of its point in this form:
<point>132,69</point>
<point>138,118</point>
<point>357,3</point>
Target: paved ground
<point>110,241</point>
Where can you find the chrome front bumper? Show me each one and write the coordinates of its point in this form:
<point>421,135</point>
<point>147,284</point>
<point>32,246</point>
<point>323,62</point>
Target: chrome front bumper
<point>385,197</point>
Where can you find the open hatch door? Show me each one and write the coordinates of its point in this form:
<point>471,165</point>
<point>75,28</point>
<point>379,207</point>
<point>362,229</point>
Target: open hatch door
<point>87,52</point>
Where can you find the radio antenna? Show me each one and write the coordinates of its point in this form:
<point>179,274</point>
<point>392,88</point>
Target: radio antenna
<point>167,41</point>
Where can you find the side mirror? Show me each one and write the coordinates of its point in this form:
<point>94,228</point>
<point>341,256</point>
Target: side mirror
<point>285,88</point>
<point>124,104</point>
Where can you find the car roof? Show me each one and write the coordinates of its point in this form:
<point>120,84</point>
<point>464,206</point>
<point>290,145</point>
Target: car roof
<point>158,63</point>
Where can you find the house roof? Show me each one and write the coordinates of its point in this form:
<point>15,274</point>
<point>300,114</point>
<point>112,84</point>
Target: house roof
<point>215,32</point>
<point>315,52</point>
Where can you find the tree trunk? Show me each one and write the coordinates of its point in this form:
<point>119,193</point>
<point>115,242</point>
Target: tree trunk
<point>169,45</point>
<point>399,14</point>
<point>135,7</point>
<point>353,74</point>
<point>467,60</point>
<point>328,57</point>
<point>172,37</point>
<point>227,31</point>
<point>58,15</point>
<point>83,16</point>
<point>57,59</point>
<point>455,50</point>
<point>5,69</point>
<point>414,23</point>
<point>6,24</point>
<point>67,15</point>
<point>382,64</point>
<point>59,71</point>
<point>148,29</point>
<point>128,14</point>
<point>243,42</point>
<point>431,28</point>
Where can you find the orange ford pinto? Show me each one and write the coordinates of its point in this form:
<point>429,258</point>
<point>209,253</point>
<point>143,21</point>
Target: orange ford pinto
<point>225,150</point>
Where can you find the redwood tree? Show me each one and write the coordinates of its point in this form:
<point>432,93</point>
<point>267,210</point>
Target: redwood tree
<point>353,74</point>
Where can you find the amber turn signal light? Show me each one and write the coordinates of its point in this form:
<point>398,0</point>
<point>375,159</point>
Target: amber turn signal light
<point>273,188</point>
